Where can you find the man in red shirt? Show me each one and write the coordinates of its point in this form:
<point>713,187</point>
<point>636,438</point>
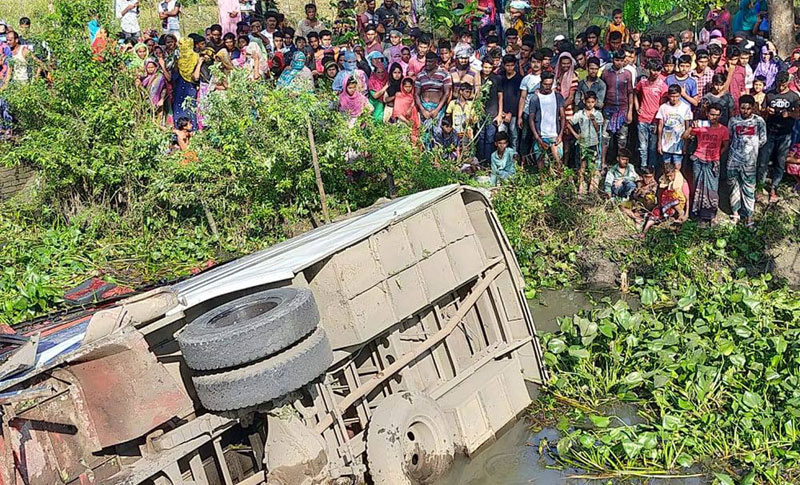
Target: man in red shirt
<point>712,142</point>
<point>650,92</point>
<point>417,64</point>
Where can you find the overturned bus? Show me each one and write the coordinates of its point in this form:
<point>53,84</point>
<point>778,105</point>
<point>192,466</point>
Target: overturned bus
<point>371,349</point>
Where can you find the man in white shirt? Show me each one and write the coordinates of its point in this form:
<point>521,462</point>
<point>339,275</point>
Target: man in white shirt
<point>169,12</point>
<point>128,14</point>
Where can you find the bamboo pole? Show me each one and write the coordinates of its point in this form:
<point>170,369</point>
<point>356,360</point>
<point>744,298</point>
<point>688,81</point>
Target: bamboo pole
<point>322,198</point>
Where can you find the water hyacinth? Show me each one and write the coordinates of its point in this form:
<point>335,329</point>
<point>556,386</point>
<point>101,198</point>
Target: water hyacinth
<point>713,374</point>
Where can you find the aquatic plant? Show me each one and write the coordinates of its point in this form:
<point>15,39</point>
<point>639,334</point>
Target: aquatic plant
<point>713,373</point>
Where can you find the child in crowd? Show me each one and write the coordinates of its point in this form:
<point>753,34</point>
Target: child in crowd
<point>643,200</point>
<point>793,165</point>
<point>617,25</point>
<point>181,135</point>
<point>673,197</point>
<point>446,138</point>
<point>461,111</point>
<point>673,120</point>
<point>759,95</point>
<point>503,159</point>
<point>621,177</point>
<point>586,128</point>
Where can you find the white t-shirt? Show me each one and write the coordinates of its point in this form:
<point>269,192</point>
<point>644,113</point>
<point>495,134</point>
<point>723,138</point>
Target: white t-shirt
<point>632,69</point>
<point>130,21</point>
<point>530,84</point>
<point>675,118</point>
<point>549,115</point>
<point>170,24</point>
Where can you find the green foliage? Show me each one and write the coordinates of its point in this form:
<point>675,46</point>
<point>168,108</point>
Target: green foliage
<point>442,17</point>
<point>111,200</point>
<point>649,14</point>
<point>712,373</point>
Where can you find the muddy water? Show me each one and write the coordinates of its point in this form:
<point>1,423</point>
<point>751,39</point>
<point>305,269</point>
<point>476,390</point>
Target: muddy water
<point>514,458</point>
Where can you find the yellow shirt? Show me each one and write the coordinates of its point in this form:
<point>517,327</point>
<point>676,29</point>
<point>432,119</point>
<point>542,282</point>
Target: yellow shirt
<point>463,116</point>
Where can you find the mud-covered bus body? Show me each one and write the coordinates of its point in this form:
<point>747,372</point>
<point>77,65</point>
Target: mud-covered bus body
<point>421,302</point>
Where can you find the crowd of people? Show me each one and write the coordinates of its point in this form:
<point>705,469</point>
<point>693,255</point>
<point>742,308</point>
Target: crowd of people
<point>652,120</point>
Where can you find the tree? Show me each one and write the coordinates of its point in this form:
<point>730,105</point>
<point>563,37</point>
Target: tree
<point>781,17</point>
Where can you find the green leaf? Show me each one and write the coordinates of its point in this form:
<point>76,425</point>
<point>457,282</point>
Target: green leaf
<point>738,360</point>
<point>586,441</point>
<point>684,460</point>
<point>631,448</point>
<point>780,344</point>
<point>670,422</point>
<point>724,479</point>
<point>648,296</point>
<point>600,421</point>
<point>633,379</point>
<point>751,400</point>
<point>578,352</point>
<point>556,345</point>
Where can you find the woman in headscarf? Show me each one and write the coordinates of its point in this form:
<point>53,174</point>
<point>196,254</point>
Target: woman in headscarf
<point>297,75</point>
<point>330,70</point>
<point>349,70</point>
<point>405,109</point>
<point>155,85</point>
<point>566,83</point>
<point>229,15</point>
<point>393,87</point>
<point>768,66</point>
<point>378,84</point>
<point>139,57</point>
<point>185,76</point>
<point>352,102</point>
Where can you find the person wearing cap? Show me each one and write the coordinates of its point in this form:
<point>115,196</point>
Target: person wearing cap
<point>463,71</point>
<point>433,87</point>
<point>618,105</point>
<point>783,108</point>
<point>557,39</point>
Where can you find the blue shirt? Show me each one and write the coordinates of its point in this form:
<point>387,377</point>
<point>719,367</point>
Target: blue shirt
<point>689,84</point>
